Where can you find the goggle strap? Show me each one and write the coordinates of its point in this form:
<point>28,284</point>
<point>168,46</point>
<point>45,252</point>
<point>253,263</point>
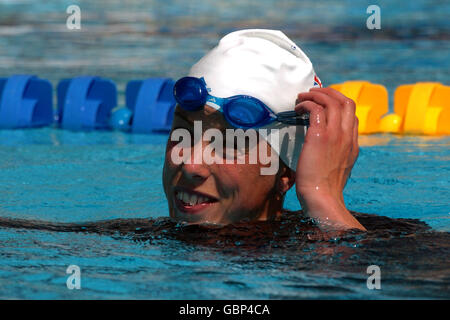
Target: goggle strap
<point>292,117</point>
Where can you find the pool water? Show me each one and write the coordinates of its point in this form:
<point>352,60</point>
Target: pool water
<point>68,177</point>
<point>60,176</point>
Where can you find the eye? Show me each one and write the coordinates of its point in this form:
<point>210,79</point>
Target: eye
<point>245,112</point>
<point>180,122</point>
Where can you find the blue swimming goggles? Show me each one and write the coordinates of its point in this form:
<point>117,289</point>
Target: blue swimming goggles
<point>240,111</point>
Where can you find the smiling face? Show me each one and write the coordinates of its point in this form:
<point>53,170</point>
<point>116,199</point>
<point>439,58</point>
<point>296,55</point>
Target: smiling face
<point>220,193</point>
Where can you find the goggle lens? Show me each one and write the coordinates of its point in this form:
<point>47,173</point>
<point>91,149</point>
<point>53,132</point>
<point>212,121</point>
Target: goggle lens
<point>190,93</point>
<point>245,113</point>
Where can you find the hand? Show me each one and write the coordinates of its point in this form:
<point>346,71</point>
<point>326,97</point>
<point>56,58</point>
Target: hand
<point>327,158</point>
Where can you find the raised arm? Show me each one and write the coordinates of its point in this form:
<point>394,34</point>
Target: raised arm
<point>328,155</point>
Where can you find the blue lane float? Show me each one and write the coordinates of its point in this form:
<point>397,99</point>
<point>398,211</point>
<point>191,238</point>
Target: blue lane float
<point>152,104</point>
<point>25,102</point>
<point>85,103</point>
<point>121,119</point>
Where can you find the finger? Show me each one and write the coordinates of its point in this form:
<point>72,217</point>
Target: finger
<point>355,145</point>
<point>348,107</point>
<point>330,105</point>
<point>332,93</point>
<point>317,116</point>
<point>348,116</point>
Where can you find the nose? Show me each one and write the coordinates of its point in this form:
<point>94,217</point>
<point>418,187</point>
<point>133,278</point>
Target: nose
<point>194,169</point>
<point>195,172</point>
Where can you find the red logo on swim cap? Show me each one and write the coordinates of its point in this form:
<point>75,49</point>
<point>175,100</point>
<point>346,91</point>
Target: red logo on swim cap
<point>317,81</point>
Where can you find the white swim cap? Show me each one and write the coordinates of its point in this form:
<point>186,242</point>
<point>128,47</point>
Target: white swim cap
<point>267,65</point>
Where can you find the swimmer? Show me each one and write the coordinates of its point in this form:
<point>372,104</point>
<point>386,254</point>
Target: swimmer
<point>273,74</point>
<point>253,79</point>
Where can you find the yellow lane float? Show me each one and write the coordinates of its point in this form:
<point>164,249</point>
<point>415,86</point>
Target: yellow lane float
<point>371,102</point>
<point>421,108</point>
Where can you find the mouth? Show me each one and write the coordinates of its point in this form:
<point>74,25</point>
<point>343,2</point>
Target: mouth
<point>190,201</point>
